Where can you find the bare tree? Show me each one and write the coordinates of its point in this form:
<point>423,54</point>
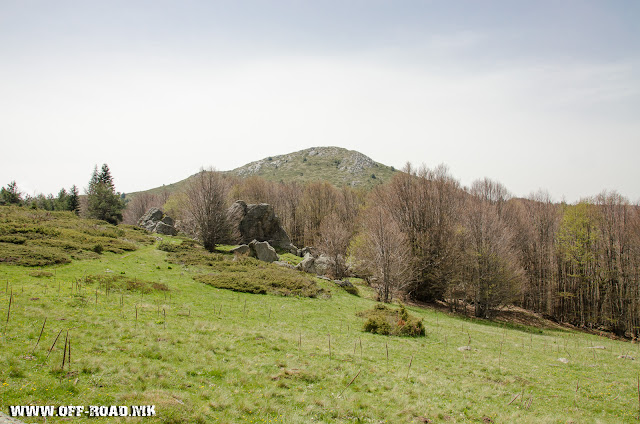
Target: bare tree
<point>493,271</point>
<point>426,204</point>
<point>334,237</point>
<point>319,199</point>
<point>385,252</point>
<point>139,205</point>
<point>206,205</point>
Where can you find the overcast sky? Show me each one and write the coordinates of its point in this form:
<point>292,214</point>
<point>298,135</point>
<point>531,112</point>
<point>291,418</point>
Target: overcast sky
<point>534,94</point>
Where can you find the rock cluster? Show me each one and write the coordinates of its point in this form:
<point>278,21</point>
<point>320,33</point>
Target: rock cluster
<point>261,250</point>
<point>319,265</point>
<point>156,221</point>
<point>258,222</point>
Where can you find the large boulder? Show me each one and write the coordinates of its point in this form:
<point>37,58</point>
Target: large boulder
<point>263,251</point>
<point>320,265</point>
<point>257,249</point>
<point>308,264</point>
<point>258,222</point>
<point>156,221</point>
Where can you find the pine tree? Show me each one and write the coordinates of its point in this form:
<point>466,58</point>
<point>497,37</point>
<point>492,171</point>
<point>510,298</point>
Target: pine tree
<point>11,195</point>
<point>73,200</point>
<point>102,200</point>
<point>62,201</point>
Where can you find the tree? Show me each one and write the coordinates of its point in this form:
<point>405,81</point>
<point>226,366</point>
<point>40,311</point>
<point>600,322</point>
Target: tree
<point>385,251</point>
<point>334,239</point>
<point>11,195</point>
<point>426,205</point>
<point>140,204</point>
<point>73,200</point>
<point>493,272</point>
<point>206,206</point>
<point>102,200</point>
<point>61,203</point>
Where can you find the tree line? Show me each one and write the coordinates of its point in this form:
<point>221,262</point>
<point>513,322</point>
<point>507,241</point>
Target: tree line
<point>101,200</point>
<point>425,237</point>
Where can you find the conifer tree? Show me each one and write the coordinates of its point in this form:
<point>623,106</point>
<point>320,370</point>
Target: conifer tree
<point>11,195</point>
<point>102,200</point>
<point>73,200</point>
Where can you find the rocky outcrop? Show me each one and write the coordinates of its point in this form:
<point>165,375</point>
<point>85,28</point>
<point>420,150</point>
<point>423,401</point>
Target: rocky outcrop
<point>320,265</point>
<point>156,221</point>
<point>258,222</point>
<point>261,250</point>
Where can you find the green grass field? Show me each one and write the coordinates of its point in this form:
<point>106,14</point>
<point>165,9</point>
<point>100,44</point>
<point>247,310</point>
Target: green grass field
<point>203,354</point>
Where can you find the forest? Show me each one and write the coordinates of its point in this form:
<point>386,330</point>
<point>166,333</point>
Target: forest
<point>422,236</point>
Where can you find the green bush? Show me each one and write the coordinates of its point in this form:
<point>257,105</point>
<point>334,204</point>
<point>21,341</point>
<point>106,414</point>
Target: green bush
<point>98,248</point>
<point>122,283</point>
<point>351,290</point>
<point>392,322</point>
<point>13,239</point>
<point>249,275</point>
<point>168,247</point>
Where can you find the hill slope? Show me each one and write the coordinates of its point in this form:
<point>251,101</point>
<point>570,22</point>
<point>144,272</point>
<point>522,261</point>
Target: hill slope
<point>337,165</point>
<point>140,331</point>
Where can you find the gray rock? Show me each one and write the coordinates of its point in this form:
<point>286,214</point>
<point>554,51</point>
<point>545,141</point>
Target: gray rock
<point>309,250</point>
<point>342,283</point>
<point>263,251</point>
<point>156,221</point>
<point>307,264</point>
<point>563,360</point>
<point>627,357</point>
<point>258,222</point>
<point>284,264</point>
<point>320,265</point>
<point>323,264</point>
<point>162,228</point>
<point>294,250</point>
<point>241,250</point>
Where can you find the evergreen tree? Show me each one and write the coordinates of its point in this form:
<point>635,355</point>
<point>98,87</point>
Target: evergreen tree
<point>73,200</point>
<point>10,195</point>
<point>102,200</point>
<point>62,201</point>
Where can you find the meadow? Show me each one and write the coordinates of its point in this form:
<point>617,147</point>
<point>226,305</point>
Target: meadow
<point>140,330</point>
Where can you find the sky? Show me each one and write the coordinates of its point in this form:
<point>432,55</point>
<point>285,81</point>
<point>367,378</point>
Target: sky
<point>535,95</point>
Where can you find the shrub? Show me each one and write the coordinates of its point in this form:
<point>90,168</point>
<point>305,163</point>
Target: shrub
<point>392,322</point>
<point>98,248</point>
<point>122,283</point>
<point>351,290</point>
<point>168,247</point>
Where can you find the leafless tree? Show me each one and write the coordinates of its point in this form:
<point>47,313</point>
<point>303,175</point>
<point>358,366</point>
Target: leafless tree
<point>334,237</point>
<point>426,204</point>
<point>385,251</point>
<point>139,205</point>
<point>493,271</point>
<point>206,205</point>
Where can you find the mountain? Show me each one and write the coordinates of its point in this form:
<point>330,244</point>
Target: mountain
<point>336,165</point>
<point>333,164</point>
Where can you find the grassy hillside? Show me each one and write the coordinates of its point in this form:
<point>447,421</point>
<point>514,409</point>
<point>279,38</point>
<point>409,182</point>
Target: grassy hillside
<point>143,331</point>
<point>333,164</point>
